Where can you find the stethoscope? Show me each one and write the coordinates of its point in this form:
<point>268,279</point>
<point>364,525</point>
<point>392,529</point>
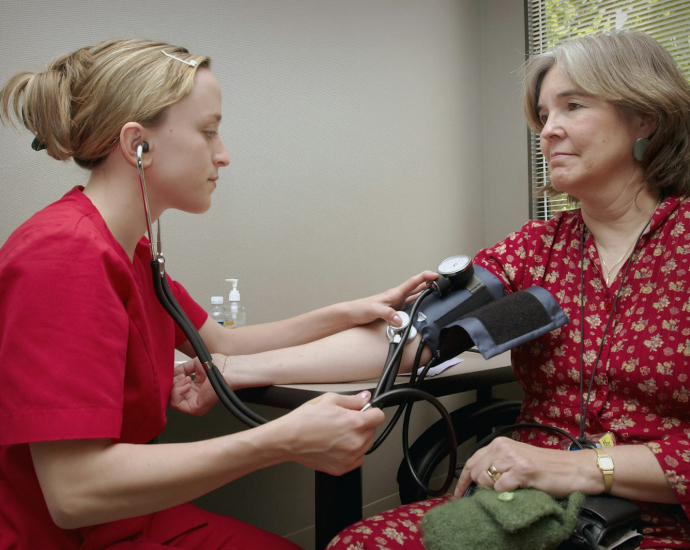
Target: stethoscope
<point>170,304</point>
<point>453,271</point>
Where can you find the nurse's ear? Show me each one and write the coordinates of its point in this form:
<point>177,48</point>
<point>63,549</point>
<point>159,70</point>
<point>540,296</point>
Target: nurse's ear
<point>131,137</point>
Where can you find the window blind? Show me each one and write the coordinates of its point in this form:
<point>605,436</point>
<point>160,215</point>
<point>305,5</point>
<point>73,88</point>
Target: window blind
<point>552,21</point>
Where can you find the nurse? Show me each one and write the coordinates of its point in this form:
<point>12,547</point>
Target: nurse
<point>84,391</point>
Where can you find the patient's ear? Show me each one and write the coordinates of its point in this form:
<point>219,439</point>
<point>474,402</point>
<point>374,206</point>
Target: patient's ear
<point>648,125</point>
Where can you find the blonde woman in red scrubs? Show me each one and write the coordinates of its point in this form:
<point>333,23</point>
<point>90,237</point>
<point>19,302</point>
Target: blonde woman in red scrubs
<point>85,390</point>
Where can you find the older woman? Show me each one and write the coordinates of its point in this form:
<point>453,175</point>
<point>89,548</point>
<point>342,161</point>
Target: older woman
<point>613,115</point>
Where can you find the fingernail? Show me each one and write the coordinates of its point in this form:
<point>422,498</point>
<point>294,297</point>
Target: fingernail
<point>397,320</point>
<point>364,395</point>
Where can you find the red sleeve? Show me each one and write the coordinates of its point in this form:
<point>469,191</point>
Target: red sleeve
<point>63,335</point>
<point>505,259</point>
<point>521,260</point>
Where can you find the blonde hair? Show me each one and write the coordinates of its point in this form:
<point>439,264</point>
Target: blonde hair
<point>77,107</point>
<point>634,72</point>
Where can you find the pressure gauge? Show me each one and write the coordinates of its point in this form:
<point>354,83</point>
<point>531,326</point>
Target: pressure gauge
<point>450,267</point>
<point>458,269</point>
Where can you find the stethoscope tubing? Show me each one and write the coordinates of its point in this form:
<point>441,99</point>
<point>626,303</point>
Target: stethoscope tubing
<point>409,394</point>
<point>384,393</point>
<point>392,366</point>
<point>170,304</point>
<point>225,394</point>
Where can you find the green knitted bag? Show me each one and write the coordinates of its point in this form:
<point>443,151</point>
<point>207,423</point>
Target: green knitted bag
<point>524,519</point>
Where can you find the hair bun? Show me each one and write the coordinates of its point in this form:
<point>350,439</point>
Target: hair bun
<point>77,107</point>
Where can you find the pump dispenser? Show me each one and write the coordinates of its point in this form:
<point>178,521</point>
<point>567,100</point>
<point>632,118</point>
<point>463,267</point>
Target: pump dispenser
<point>234,315</point>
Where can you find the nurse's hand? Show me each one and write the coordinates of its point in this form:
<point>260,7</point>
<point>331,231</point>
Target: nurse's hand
<point>385,305</point>
<point>330,433</point>
<point>194,396</point>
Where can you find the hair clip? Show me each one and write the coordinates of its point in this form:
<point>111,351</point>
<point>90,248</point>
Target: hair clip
<point>191,63</point>
<point>38,145</point>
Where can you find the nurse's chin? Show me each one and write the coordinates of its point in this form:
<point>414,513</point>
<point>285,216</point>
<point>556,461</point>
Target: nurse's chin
<point>198,207</point>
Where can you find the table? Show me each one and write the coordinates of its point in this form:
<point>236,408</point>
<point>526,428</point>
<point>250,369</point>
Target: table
<point>339,498</point>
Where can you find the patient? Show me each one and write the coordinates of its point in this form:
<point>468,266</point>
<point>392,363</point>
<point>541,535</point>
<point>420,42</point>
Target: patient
<point>78,406</point>
<point>613,115</point>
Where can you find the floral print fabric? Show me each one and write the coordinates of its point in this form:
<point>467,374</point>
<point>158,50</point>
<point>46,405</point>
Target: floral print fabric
<point>399,528</point>
<point>640,389</point>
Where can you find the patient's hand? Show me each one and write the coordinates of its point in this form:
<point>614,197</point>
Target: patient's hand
<point>518,464</point>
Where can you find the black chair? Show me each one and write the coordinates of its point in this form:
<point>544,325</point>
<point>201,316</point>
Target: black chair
<point>603,518</point>
<point>428,451</point>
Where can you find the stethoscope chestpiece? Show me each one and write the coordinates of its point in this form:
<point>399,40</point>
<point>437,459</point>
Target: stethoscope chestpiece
<point>395,333</point>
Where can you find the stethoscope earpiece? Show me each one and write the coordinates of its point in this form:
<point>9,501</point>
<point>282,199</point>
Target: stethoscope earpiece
<point>144,147</point>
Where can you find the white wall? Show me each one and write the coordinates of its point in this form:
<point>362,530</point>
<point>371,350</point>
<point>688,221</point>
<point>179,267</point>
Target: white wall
<point>369,140</point>
<point>506,146</point>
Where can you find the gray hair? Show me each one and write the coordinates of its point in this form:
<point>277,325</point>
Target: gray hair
<point>634,72</point>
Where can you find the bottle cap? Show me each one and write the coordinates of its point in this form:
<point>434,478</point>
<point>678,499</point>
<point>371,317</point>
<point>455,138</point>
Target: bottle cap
<point>234,295</point>
<point>216,300</point>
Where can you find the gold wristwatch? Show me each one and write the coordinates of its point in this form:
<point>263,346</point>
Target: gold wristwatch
<point>605,463</point>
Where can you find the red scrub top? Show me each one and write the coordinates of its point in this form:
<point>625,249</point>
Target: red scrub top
<point>86,351</point>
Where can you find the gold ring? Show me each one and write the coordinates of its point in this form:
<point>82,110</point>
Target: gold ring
<point>493,473</point>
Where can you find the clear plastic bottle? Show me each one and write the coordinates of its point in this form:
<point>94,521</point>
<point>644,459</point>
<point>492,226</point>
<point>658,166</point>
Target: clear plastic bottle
<point>216,311</point>
<point>234,315</point>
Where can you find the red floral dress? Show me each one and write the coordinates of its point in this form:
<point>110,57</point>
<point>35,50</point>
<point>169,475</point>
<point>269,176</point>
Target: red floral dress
<point>641,390</point>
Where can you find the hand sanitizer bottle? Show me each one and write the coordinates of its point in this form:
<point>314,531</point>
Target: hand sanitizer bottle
<point>216,312</point>
<point>234,315</point>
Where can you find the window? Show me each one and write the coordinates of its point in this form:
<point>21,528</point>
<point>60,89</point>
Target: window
<point>551,21</point>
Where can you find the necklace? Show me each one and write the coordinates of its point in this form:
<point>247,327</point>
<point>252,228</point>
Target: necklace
<point>609,270</point>
<point>627,251</point>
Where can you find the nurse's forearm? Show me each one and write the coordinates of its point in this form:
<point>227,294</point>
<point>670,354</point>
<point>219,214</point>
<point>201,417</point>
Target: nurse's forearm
<point>270,336</point>
<point>88,482</point>
<point>314,325</point>
<point>298,330</point>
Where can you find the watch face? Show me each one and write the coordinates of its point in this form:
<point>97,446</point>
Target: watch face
<point>454,265</point>
<point>606,463</point>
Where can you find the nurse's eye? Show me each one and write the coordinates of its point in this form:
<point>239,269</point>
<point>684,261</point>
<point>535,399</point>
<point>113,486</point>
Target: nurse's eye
<point>572,106</point>
<point>543,117</point>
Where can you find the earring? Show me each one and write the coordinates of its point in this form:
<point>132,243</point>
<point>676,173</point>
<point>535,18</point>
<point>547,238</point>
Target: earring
<point>640,148</point>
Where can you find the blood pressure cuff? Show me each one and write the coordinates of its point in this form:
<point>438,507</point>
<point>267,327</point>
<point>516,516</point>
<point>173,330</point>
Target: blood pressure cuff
<point>481,315</point>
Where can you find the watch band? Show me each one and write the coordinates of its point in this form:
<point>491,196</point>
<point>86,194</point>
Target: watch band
<point>605,464</point>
